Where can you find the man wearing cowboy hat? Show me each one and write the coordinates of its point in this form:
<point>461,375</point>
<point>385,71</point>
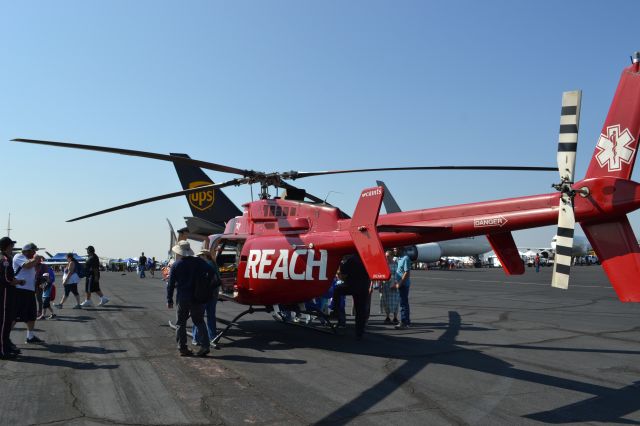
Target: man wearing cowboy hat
<point>184,272</point>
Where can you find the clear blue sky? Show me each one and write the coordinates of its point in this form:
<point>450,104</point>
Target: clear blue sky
<point>281,85</point>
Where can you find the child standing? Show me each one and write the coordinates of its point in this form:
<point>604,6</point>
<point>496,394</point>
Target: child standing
<point>48,292</point>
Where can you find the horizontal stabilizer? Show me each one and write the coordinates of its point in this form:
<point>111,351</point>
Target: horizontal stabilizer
<point>505,248</point>
<point>365,236</point>
<point>617,249</point>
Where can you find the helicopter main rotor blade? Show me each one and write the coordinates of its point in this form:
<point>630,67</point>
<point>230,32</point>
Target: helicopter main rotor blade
<point>161,197</point>
<point>203,164</point>
<point>297,175</point>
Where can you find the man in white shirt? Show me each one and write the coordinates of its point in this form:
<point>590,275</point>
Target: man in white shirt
<point>24,266</point>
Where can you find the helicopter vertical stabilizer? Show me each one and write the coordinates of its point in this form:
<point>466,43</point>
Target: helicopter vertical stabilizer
<point>365,235</point>
<point>615,152</point>
<point>613,240</point>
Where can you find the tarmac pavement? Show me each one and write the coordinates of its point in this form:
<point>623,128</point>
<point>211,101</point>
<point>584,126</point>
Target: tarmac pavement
<point>483,349</point>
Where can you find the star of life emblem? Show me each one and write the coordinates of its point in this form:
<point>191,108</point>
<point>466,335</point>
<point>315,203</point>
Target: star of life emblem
<point>615,148</point>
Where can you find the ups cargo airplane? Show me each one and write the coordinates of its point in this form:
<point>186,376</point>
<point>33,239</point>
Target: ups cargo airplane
<point>211,208</point>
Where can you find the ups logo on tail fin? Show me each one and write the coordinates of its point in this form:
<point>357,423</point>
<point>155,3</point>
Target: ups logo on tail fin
<point>201,200</point>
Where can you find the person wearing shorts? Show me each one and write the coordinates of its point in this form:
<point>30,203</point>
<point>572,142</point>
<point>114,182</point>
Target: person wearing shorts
<point>92,281</point>
<point>70,280</point>
<point>24,264</point>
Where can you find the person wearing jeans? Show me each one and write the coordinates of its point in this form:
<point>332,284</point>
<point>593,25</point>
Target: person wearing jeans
<point>403,283</point>
<point>184,272</point>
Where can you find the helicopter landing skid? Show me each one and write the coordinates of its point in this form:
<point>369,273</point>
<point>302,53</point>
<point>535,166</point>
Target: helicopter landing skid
<point>173,326</point>
<point>279,316</point>
<point>233,321</point>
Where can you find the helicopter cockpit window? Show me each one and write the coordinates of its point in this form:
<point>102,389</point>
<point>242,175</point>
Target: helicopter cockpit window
<point>279,211</point>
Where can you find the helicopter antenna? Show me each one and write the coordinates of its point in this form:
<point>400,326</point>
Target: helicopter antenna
<point>329,193</point>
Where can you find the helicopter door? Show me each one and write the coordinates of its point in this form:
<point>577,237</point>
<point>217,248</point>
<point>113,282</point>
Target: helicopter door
<point>227,259</point>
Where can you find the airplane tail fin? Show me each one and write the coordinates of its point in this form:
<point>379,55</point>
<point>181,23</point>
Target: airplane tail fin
<point>615,151</point>
<point>173,239</point>
<point>211,205</point>
<point>390,204</point>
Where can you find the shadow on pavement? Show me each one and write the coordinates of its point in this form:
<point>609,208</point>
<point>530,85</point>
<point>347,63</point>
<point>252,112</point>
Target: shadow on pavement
<point>112,308</point>
<point>608,407</point>
<point>111,305</point>
<point>79,318</point>
<point>608,404</point>
<point>258,360</point>
<point>69,349</point>
<point>65,363</point>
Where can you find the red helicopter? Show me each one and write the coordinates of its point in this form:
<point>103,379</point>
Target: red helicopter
<point>288,250</point>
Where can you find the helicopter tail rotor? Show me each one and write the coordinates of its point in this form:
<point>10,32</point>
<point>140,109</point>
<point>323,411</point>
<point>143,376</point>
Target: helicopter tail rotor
<point>567,145</point>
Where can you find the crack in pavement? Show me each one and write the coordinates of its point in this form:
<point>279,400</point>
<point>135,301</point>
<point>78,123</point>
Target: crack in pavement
<point>395,375</point>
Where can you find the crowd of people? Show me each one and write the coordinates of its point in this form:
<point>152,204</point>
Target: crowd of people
<point>27,288</point>
<point>28,292</point>
<point>353,279</point>
<point>184,276</point>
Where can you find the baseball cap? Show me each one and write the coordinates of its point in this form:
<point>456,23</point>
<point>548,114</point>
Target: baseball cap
<point>6,242</point>
<point>30,246</point>
<point>90,248</point>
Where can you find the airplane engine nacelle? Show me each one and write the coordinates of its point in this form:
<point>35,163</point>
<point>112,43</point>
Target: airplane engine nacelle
<point>430,252</point>
<point>412,252</point>
<point>580,246</point>
<point>544,254</point>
